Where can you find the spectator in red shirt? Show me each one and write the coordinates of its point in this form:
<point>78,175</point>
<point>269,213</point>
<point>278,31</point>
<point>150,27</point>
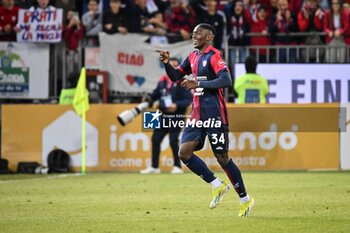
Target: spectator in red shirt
<point>180,19</point>
<point>8,20</point>
<point>65,5</point>
<point>237,27</point>
<point>259,24</point>
<point>252,8</point>
<point>74,31</point>
<point>346,5</point>
<point>271,8</point>
<point>284,21</point>
<point>336,26</point>
<point>310,19</point>
<point>295,5</point>
<point>265,3</point>
<point>73,35</point>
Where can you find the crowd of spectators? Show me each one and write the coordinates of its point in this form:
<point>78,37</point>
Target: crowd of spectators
<point>240,23</point>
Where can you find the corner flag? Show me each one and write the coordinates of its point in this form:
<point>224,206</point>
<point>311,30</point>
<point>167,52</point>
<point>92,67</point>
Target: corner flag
<point>81,106</point>
<point>81,96</point>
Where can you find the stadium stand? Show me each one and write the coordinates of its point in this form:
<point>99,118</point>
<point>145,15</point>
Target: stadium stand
<point>245,31</point>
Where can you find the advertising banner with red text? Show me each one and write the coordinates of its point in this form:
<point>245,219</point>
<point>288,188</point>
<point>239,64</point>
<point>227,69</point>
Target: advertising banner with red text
<point>262,137</point>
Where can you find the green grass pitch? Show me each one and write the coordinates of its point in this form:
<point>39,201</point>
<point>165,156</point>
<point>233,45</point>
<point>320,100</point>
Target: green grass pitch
<point>130,202</point>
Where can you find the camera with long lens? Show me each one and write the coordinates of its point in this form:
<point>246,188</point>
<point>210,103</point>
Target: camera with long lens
<point>128,116</point>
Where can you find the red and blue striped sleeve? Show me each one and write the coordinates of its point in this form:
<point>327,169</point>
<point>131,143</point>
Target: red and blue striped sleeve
<point>217,63</point>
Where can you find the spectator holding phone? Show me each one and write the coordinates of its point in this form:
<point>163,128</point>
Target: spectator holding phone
<point>73,35</point>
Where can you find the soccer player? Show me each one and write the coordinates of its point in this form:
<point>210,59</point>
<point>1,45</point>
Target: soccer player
<point>210,77</point>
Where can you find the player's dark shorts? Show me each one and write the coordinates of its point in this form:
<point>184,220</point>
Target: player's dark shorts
<point>218,137</point>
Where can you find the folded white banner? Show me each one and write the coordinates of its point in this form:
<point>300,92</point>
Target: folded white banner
<point>132,64</point>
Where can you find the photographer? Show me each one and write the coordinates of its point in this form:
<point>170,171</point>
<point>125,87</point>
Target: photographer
<point>173,99</point>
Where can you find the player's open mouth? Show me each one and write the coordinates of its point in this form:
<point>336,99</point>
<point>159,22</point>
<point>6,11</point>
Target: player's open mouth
<point>195,42</point>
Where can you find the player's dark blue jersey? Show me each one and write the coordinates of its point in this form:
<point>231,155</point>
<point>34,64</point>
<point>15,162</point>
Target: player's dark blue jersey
<point>207,103</point>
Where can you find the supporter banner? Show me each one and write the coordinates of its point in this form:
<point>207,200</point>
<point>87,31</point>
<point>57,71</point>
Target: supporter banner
<point>21,75</point>
<point>345,138</point>
<point>304,83</point>
<point>30,132</point>
<point>40,26</point>
<point>132,63</point>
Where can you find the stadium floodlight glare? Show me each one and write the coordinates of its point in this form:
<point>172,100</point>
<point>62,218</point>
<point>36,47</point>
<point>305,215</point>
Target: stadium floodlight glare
<point>127,116</point>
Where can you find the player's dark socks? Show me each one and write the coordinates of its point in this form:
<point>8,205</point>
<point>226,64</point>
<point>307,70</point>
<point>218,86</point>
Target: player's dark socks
<point>200,168</point>
<point>234,174</point>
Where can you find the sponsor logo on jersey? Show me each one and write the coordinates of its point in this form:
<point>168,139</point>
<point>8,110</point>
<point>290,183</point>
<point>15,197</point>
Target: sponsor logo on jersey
<point>221,63</point>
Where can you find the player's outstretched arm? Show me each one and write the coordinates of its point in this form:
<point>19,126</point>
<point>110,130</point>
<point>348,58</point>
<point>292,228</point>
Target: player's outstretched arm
<point>174,74</point>
<point>164,55</point>
<point>223,80</point>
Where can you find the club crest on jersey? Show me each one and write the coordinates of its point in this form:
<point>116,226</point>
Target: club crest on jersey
<point>204,63</point>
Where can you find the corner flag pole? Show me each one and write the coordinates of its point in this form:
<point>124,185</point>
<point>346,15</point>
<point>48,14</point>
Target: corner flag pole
<point>83,142</point>
<point>81,106</point>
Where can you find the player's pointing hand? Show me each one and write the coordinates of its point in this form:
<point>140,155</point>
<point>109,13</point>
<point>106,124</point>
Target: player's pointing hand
<point>164,55</point>
<point>189,84</point>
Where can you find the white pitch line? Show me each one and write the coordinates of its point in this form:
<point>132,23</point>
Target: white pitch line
<point>40,178</point>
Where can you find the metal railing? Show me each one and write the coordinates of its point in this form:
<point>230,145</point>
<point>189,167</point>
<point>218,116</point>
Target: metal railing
<point>61,59</point>
<point>282,54</point>
<point>304,53</point>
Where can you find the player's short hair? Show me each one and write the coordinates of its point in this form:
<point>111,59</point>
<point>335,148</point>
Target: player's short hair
<point>250,64</point>
<point>208,27</point>
<point>114,1</point>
